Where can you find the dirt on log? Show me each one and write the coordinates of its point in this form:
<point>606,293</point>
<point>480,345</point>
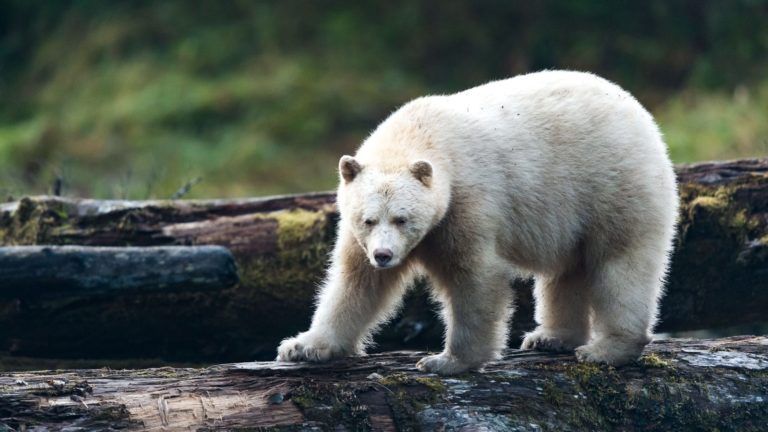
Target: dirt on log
<point>719,273</point>
<point>676,385</point>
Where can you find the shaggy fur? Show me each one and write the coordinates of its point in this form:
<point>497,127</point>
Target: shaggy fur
<point>558,174</point>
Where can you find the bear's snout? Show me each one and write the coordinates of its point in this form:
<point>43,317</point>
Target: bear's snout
<point>382,256</point>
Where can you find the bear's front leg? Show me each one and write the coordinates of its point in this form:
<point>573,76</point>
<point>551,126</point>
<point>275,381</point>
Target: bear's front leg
<point>353,300</point>
<point>476,307</point>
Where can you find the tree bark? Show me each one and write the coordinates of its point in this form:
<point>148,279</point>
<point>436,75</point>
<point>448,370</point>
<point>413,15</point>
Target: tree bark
<point>31,271</point>
<point>718,276</point>
<point>677,385</point>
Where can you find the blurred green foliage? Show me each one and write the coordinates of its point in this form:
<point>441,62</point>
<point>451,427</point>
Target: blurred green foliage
<point>133,99</point>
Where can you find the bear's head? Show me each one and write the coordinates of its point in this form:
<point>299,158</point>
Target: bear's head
<point>388,209</point>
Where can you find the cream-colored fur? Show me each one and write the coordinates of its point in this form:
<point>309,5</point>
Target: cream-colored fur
<point>558,174</point>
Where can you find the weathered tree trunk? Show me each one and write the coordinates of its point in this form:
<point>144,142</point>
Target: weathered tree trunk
<point>280,244</point>
<point>32,271</point>
<point>677,385</point>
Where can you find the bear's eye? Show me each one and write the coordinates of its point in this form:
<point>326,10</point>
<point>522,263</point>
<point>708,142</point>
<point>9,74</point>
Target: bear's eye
<point>400,221</point>
<point>369,222</point>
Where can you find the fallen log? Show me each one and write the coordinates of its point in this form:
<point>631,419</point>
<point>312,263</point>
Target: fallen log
<point>718,276</point>
<point>677,385</point>
<point>279,244</point>
<point>31,271</point>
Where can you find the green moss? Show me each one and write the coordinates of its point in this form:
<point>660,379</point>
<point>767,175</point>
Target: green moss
<point>654,361</point>
<point>411,395</point>
<point>285,280</point>
<point>741,221</point>
<point>651,395</point>
<point>666,398</point>
<point>711,209</point>
<point>552,393</point>
<point>710,202</point>
<point>332,404</point>
<point>298,263</point>
<point>435,384</point>
<point>584,371</point>
<point>25,225</point>
<point>33,221</point>
<point>405,399</point>
<point>303,401</point>
<point>296,226</point>
<point>396,379</point>
<point>698,201</point>
<point>399,379</point>
<point>605,395</point>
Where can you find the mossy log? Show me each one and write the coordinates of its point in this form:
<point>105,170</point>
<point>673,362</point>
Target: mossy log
<point>32,271</point>
<point>280,244</point>
<point>676,385</point>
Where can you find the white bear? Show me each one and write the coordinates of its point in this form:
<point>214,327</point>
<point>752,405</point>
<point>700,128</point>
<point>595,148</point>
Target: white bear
<point>558,174</point>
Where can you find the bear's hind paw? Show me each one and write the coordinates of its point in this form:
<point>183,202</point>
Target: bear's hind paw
<point>443,364</point>
<point>541,340</point>
<point>615,351</point>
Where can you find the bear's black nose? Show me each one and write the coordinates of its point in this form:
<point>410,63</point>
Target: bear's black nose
<point>382,256</point>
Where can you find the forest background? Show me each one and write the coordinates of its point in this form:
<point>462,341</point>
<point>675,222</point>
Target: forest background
<point>138,99</point>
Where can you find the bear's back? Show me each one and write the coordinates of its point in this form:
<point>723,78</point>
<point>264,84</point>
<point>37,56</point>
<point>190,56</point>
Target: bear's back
<point>562,155</point>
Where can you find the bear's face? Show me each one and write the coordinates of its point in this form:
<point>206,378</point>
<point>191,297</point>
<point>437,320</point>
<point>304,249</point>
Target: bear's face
<point>388,213</point>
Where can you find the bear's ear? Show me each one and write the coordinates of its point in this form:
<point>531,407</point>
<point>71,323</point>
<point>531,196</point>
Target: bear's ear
<point>349,168</point>
<point>422,170</point>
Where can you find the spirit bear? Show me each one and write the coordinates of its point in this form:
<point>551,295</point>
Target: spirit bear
<point>558,174</point>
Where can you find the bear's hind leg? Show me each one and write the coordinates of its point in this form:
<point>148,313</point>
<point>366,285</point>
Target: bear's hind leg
<point>476,308</point>
<point>624,296</point>
<point>562,312</point>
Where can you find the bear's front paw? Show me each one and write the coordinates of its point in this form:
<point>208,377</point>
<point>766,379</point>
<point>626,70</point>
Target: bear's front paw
<point>443,364</point>
<point>306,347</point>
<point>543,340</point>
<point>614,351</point>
